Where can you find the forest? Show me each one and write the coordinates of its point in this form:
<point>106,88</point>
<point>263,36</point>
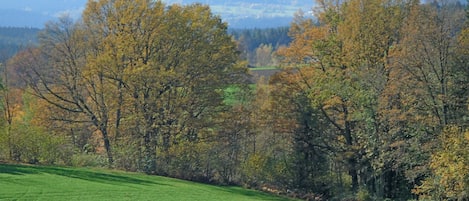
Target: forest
<point>257,46</point>
<point>371,102</point>
<point>13,39</point>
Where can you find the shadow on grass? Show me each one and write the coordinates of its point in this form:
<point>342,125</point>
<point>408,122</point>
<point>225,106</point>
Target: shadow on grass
<point>88,175</point>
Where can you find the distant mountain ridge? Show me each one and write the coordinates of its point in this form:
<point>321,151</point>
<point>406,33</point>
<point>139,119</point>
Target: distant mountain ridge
<point>238,13</point>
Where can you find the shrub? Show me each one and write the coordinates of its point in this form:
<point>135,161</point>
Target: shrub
<point>88,160</point>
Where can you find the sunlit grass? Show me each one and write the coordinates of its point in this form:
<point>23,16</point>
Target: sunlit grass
<point>265,68</point>
<point>19,182</point>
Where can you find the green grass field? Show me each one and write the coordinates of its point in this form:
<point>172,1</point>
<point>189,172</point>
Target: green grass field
<point>264,68</point>
<point>20,182</point>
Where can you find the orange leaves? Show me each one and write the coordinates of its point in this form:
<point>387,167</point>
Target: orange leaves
<point>332,102</point>
<point>305,33</point>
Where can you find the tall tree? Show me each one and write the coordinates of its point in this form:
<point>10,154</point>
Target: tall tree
<point>171,62</point>
<point>60,77</point>
<point>427,53</point>
<point>426,79</point>
<point>342,61</point>
<point>121,39</point>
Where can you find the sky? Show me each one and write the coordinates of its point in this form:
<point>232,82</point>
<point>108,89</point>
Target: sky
<point>46,7</point>
<point>34,13</point>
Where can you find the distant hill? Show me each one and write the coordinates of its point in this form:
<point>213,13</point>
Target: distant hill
<point>12,39</point>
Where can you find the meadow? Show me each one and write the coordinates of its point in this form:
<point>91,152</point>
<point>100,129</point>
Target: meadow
<point>23,182</point>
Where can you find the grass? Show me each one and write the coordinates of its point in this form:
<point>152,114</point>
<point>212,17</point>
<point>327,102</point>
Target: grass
<point>264,68</point>
<point>20,182</point>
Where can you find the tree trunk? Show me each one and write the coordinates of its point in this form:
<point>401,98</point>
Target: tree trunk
<point>107,145</point>
<point>352,162</point>
<point>354,174</point>
<point>120,102</point>
<point>150,152</point>
<point>102,126</point>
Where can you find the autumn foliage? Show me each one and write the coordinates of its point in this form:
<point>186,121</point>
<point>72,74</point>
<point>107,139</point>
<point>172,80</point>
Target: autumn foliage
<point>371,102</point>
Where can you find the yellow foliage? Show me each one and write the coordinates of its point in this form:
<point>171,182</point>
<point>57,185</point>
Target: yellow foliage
<point>332,102</point>
<point>450,168</point>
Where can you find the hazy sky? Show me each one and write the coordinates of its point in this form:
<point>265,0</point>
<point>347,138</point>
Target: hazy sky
<point>46,7</point>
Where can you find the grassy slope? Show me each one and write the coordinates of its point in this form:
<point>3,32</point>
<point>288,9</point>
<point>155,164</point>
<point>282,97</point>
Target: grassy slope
<point>18,182</point>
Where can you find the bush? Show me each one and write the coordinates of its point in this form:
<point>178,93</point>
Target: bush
<point>253,170</point>
<point>4,152</point>
<point>363,195</point>
<point>30,144</point>
<point>88,160</point>
<point>126,157</point>
<point>187,160</point>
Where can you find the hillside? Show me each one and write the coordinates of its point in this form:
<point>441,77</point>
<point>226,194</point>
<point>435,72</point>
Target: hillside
<point>12,39</point>
<point>20,182</point>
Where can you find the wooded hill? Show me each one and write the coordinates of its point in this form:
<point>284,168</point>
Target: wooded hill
<point>256,45</point>
<point>371,103</point>
<point>12,39</point>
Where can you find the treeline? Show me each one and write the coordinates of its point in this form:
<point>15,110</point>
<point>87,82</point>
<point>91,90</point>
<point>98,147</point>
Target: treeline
<point>13,39</point>
<point>371,104</point>
<point>257,46</point>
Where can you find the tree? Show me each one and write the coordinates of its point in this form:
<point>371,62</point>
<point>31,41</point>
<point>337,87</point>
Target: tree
<point>341,60</point>
<point>301,127</point>
<point>445,80</point>
<point>264,55</point>
<point>121,35</point>
<point>428,54</point>
<point>59,75</point>
<point>171,63</point>
<point>449,166</point>
<point>423,77</point>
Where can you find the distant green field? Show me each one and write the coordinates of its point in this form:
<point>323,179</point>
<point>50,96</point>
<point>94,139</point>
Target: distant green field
<point>19,182</point>
<point>264,68</point>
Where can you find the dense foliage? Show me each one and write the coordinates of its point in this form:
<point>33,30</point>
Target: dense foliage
<point>383,80</point>
<point>371,103</point>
